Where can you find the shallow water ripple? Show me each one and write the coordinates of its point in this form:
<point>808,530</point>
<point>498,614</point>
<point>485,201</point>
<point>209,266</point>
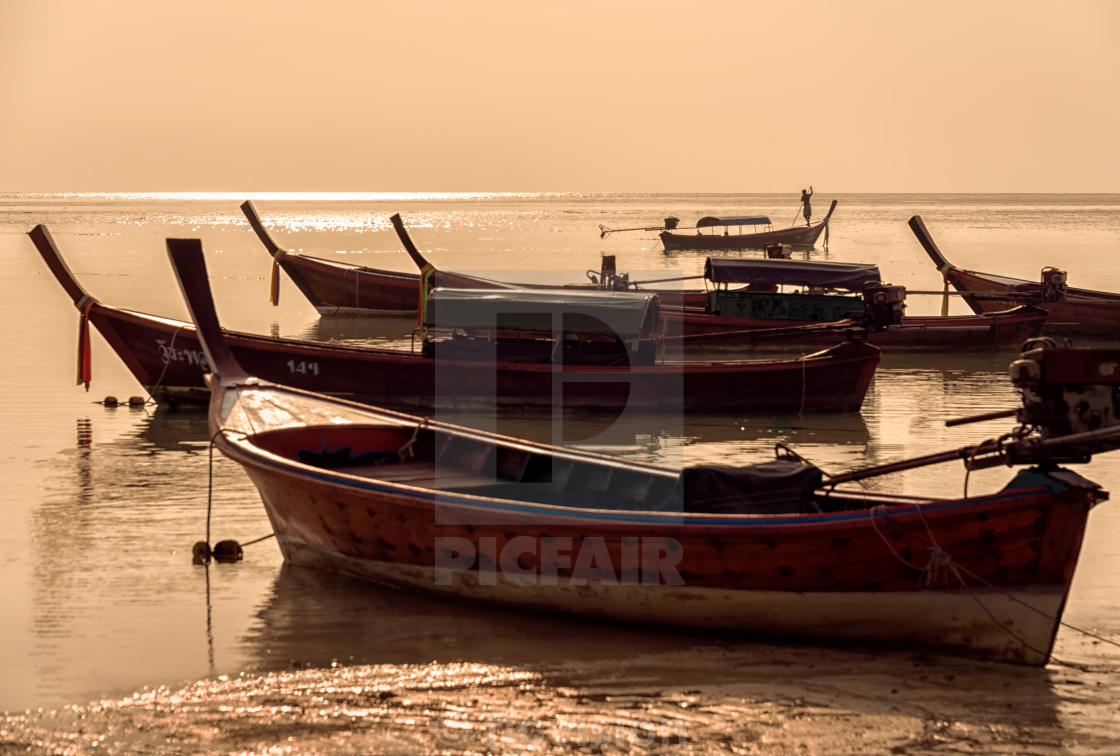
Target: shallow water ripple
<point>766,700</point>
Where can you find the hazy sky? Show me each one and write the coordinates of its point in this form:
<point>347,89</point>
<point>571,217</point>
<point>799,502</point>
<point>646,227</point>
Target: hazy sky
<point>547,95</point>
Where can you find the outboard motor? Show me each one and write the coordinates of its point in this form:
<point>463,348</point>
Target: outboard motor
<point>1053,285</point>
<point>883,304</point>
<point>671,223</point>
<point>1070,411</point>
<point>609,280</point>
<point>1067,390</point>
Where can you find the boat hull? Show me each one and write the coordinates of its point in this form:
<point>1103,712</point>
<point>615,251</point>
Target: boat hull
<point>166,357</point>
<point>797,237</point>
<point>337,289</point>
<point>998,330</point>
<point>898,620</point>
<point>877,576</point>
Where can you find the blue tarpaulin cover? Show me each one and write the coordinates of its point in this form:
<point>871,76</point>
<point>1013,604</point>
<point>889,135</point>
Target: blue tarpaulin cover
<point>742,220</point>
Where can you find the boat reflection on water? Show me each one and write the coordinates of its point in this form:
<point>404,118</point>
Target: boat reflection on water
<point>658,439</point>
<point>992,363</point>
<point>391,331</point>
<point>166,429</point>
<point>456,678</point>
<point>315,618</point>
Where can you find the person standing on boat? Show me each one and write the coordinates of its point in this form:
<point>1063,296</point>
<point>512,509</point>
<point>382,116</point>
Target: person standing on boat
<point>806,209</point>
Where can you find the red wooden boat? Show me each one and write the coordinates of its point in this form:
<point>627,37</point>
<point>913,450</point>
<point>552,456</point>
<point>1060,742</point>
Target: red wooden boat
<point>772,550</point>
<point>166,358</point>
<point>338,288</point>
<point>801,302</point>
<point>821,311</point>
<point>1071,310</point>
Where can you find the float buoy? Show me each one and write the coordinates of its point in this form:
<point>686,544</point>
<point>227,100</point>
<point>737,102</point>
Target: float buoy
<point>227,551</point>
<point>200,553</point>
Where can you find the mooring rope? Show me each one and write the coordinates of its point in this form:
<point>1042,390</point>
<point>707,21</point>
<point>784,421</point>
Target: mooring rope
<point>969,461</point>
<point>166,364</point>
<point>258,540</point>
<point>942,559</point>
<point>801,409</point>
<point>210,485</point>
<point>406,450</point>
<point>210,501</point>
<point>1035,609</point>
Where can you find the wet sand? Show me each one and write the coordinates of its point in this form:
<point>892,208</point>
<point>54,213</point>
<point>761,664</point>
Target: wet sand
<point>542,684</point>
<point>719,699</point>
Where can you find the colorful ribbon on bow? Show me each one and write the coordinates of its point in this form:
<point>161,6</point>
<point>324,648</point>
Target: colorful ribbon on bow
<point>425,287</point>
<point>85,361</point>
<point>274,287</point>
<point>945,296</point>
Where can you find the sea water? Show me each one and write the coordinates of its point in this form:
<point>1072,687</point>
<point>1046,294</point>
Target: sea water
<point>112,641</point>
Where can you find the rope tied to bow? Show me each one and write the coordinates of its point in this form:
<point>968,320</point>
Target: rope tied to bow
<point>426,285</point>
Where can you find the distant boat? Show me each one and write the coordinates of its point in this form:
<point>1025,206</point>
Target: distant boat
<point>772,550</point>
<point>734,233</point>
<point>1071,310</point>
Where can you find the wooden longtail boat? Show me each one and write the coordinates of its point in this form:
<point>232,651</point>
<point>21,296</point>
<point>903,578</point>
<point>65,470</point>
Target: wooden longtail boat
<point>772,549</point>
<point>800,302</point>
<point>338,288</point>
<point>1071,310</point>
<point>166,358</point>
<point>721,237</point>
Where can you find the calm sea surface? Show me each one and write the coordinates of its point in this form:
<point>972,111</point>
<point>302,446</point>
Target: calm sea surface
<point>112,642</point>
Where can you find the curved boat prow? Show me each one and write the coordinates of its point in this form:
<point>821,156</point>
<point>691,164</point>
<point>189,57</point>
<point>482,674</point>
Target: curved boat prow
<point>831,208</point>
<point>53,258</point>
<point>262,232</point>
<point>409,247</point>
<point>920,231</point>
<point>190,269</point>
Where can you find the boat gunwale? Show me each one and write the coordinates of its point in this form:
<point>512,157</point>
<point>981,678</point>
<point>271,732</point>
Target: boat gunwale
<point>243,442</point>
<point>906,506</point>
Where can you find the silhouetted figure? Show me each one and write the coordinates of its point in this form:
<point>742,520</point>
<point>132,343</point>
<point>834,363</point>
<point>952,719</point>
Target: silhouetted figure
<point>806,208</point>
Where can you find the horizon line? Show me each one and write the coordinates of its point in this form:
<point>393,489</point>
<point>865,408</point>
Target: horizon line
<point>460,195</point>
